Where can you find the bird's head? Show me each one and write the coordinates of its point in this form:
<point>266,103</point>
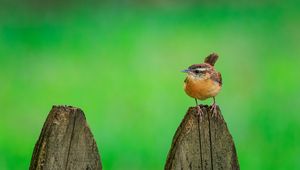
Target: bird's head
<point>198,70</point>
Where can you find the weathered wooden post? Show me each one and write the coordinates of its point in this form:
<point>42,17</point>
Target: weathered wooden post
<point>202,145</point>
<point>66,142</point>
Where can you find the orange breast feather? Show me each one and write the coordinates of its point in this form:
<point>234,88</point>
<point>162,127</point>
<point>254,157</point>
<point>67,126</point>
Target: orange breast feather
<point>201,88</point>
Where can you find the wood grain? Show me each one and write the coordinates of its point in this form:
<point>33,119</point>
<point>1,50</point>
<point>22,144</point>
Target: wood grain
<point>65,142</point>
<point>202,145</point>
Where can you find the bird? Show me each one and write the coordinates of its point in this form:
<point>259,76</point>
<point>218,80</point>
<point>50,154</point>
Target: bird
<point>203,81</point>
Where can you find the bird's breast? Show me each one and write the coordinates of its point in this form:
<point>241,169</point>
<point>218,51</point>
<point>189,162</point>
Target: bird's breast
<point>201,88</point>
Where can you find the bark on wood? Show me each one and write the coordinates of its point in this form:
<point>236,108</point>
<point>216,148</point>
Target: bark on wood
<point>65,142</point>
<point>202,145</point>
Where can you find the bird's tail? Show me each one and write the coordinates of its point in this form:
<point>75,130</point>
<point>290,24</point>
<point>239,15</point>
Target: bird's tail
<point>211,59</point>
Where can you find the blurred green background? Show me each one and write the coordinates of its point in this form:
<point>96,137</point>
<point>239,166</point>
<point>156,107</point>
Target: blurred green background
<point>120,61</point>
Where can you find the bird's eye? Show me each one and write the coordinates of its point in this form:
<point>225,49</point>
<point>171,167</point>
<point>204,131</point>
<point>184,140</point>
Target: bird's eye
<point>197,71</point>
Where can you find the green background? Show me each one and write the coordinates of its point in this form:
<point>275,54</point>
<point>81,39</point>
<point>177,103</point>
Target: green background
<point>121,61</point>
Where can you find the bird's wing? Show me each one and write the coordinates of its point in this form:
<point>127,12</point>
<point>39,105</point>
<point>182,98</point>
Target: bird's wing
<point>220,77</point>
<point>217,77</point>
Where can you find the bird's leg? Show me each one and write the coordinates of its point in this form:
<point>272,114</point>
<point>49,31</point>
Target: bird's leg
<point>199,110</point>
<point>214,110</point>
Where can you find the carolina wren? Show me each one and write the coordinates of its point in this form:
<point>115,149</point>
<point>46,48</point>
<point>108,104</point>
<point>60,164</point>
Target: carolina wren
<point>203,82</point>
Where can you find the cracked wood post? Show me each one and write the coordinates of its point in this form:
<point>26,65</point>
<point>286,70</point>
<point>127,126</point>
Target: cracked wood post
<point>65,142</point>
<point>202,145</point>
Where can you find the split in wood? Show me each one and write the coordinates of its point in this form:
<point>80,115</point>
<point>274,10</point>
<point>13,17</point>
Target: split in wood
<point>202,145</point>
<point>65,142</point>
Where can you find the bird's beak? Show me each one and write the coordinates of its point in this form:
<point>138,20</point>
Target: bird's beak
<point>185,71</point>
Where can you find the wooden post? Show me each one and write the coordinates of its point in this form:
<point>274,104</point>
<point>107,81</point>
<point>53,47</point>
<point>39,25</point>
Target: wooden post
<point>66,142</point>
<point>202,145</point>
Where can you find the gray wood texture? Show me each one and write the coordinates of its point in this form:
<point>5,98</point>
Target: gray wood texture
<point>202,144</point>
<point>65,142</point>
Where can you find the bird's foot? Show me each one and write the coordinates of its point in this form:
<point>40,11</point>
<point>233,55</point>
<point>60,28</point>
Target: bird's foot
<point>215,112</point>
<point>200,112</point>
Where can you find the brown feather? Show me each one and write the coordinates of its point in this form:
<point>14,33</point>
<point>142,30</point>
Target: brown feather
<point>216,76</point>
<point>211,59</point>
